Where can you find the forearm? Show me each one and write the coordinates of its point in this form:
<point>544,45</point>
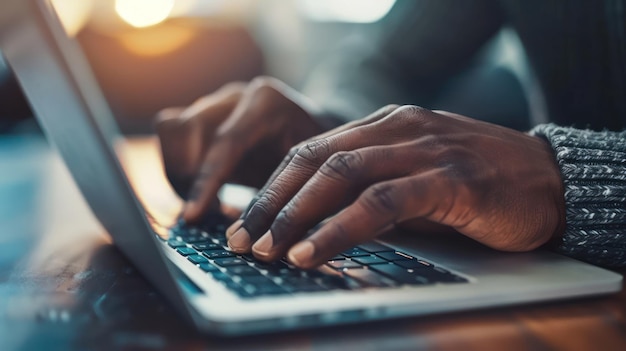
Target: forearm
<point>593,167</point>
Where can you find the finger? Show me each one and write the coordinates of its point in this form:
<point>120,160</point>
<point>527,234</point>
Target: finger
<point>337,183</point>
<point>184,133</point>
<point>376,211</point>
<point>379,114</point>
<point>241,131</point>
<point>215,107</point>
<point>173,140</point>
<point>260,214</point>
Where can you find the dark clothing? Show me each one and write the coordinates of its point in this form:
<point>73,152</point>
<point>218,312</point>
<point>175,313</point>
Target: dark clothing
<point>577,50</point>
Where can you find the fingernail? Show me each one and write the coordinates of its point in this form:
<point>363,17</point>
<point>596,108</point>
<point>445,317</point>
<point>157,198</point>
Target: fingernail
<point>301,253</point>
<point>240,241</point>
<point>233,228</point>
<point>264,244</point>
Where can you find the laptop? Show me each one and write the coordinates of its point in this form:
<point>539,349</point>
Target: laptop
<point>226,294</point>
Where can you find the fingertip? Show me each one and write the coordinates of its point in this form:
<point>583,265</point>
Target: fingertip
<point>240,241</point>
<point>191,212</point>
<point>233,228</point>
<point>302,254</point>
<point>263,246</point>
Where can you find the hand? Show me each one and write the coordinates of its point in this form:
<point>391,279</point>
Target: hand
<point>406,166</point>
<point>238,134</point>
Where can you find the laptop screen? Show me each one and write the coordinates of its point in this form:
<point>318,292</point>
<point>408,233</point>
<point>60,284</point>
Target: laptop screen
<point>102,37</point>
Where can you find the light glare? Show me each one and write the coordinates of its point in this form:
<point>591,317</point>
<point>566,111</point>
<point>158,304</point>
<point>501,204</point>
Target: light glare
<point>144,13</point>
<point>73,14</point>
<point>355,11</point>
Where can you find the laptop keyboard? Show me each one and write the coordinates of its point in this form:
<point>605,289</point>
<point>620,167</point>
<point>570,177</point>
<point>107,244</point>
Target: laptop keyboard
<point>370,265</point>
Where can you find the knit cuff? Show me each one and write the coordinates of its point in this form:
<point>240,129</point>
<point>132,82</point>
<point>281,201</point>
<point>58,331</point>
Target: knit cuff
<point>593,168</point>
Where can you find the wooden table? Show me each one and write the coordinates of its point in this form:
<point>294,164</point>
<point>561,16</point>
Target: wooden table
<point>64,286</point>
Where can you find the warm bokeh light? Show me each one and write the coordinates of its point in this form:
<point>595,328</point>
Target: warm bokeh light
<point>73,14</point>
<point>156,41</point>
<point>144,13</point>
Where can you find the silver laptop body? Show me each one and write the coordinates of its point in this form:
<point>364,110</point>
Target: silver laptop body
<point>58,82</point>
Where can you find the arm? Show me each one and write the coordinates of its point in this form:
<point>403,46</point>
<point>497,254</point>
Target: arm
<point>420,44</point>
<point>593,168</point>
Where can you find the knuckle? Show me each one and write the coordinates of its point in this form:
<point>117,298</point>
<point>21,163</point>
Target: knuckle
<point>268,202</point>
<point>343,165</point>
<point>264,86</point>
<point>382,197</point>
<point>293,151</point>
<point>265,94</point>
<point>408,115</point>
<point>314,153</point>
<point>262,81</point>
<point>284,221</point>
<point>167,119</point>
<point>453,158</point>
<point>289,156</point>
<point>258,219</point>
<point>233,87</point>
<point>390,108</point>
<point>435,143</point>
<point>203,100</point>
<point>167,114</point>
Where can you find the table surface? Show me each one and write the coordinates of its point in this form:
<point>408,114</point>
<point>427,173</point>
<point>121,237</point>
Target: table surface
<point>63,285</point>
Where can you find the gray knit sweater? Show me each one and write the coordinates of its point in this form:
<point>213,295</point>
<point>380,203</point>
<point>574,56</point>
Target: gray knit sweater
<point>593,167</point>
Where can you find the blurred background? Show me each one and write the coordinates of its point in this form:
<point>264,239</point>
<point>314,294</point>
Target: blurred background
<point>151,54</point>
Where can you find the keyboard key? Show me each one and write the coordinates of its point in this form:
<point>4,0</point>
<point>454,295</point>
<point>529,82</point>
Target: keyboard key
<point>215,254</point>
<point>343,264</point>
<point>375,247</point>
<point>230,261</point>
<point>333,282</point>
<point>255,280</point>
<point>393,256</point>
<point>355,252</point>
<point>248,257</point>
<point>337,258</point>
<point>413,264</point>
<point>270,290</point>
<point>193,232</point>
<point>176,243</point>
<point>397,273</point>
<point>186,251</point>
<point>222,241</point>
<point>242,270</point>
<point>220,276</point>
<point>207,247</point>
<point>313,274</point>
<point>283,272</point>
<point>369,277</point>
<point>268,265</point>
<point>367,260</point>
<point>301,285</point>
<point>195,239</point>
<point>427,264</point>
<point>197,259</point>
<point>207,267</point>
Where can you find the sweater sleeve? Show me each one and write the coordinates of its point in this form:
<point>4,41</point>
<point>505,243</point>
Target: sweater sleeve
<point>593,168</point>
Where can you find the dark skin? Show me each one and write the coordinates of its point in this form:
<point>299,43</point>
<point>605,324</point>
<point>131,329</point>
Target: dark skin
<point>404,167</point>
<point>238,134</point>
